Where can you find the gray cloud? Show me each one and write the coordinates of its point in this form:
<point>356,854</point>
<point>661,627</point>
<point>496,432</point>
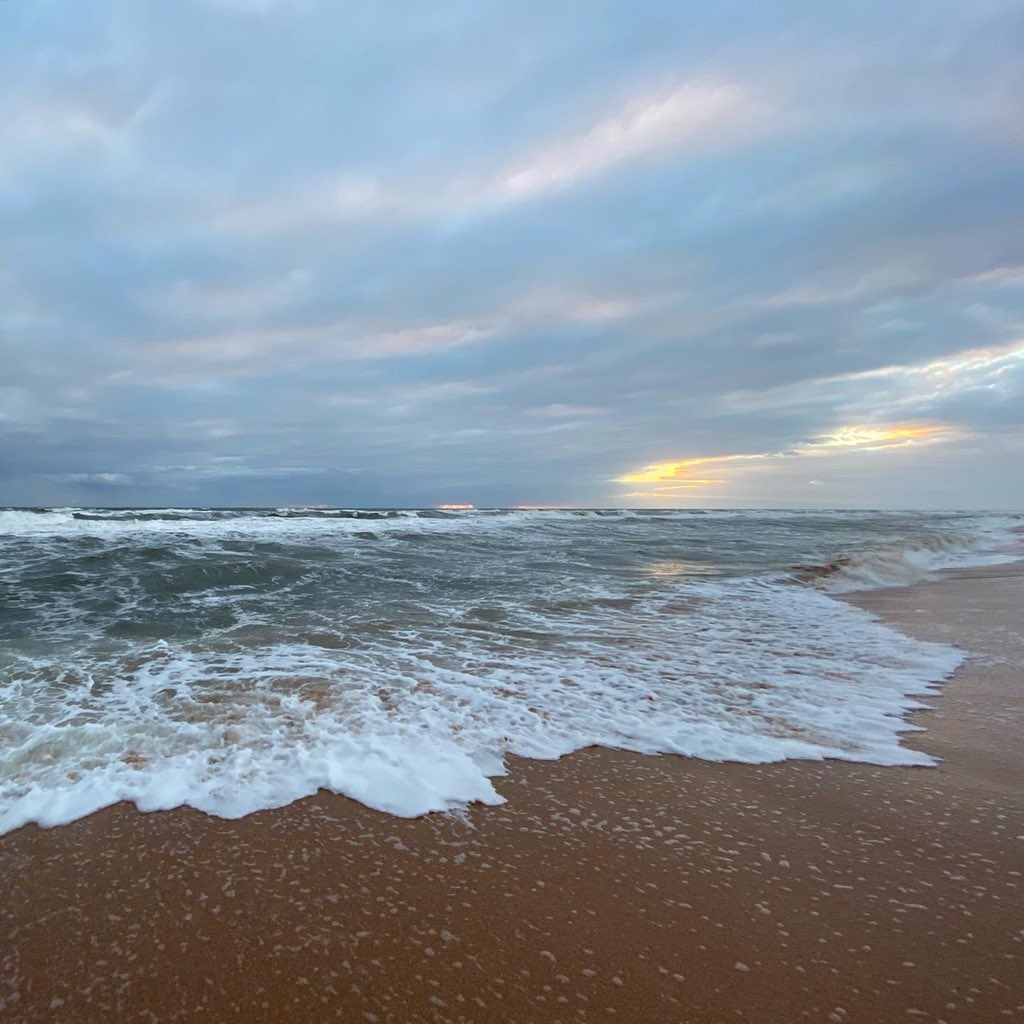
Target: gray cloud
<point>265,251</point>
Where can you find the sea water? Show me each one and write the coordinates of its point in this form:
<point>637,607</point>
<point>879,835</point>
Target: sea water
<point>234,660</point>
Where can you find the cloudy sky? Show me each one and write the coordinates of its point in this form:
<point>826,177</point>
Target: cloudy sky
<point>584,253</point>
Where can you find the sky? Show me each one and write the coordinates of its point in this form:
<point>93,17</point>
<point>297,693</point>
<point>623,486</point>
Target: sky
<point>594,253</point>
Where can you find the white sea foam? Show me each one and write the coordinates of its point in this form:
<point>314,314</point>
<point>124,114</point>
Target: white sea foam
<point>746,672</point>
<point>416,716</point>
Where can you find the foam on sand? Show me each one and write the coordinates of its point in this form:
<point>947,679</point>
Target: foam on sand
<point>751,672</point>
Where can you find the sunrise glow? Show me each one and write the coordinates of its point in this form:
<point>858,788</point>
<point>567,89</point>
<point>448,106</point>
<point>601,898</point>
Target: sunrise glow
<point>871,438</point>
<point>677,477</point>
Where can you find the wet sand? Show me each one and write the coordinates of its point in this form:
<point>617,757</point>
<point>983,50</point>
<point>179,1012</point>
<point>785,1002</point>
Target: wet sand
<point>611,886</point>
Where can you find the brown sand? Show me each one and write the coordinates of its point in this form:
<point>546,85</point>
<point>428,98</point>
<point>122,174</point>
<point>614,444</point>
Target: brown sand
<point>611,886</point>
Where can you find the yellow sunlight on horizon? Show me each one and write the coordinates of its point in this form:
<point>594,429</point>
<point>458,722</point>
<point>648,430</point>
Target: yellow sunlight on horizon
<point>677,475</point>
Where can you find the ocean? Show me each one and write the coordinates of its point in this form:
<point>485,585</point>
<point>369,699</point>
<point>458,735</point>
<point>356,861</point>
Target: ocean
<point>235,660</point>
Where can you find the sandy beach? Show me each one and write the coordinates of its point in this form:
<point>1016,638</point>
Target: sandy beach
<point>610,886</point>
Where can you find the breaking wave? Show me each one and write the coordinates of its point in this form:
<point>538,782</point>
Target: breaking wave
<point>233,660</point>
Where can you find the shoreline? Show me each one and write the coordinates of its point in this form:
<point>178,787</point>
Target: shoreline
<point>610,886</point>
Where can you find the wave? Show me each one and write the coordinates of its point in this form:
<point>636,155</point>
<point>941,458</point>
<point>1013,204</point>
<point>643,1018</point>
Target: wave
<point>911,560</point>
<point>413,721</point>
<point>234,660</point>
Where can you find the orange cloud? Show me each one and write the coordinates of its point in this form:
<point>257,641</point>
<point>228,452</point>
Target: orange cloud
<point>679,474</point>
<point>873,439</point>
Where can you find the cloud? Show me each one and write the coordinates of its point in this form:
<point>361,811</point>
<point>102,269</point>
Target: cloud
<point>832,287</point>
<point>258,7</point>
<point>478,253</point>
<point>689,119</point>
<point>91,480</point>
<point>1005,277</point>
<point>558,410</point>
<point>334,340</point>
<point>992,370</point>
<point>253,348</point>
<point>692,117</point>
<point>191,299</point>
<point>670,477</point>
